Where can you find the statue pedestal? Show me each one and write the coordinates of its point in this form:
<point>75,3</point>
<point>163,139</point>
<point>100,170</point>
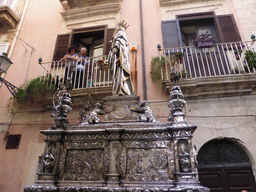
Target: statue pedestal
<point>118,108</point>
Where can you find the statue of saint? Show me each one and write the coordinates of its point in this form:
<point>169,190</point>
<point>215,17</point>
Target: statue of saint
<point>119,62</point>
<point>184,158</point>
<point>48,162</point>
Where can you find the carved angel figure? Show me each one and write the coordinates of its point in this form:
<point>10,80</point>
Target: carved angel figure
<point>93,117</point>
<point>84,114</point>
<point>144,112</point>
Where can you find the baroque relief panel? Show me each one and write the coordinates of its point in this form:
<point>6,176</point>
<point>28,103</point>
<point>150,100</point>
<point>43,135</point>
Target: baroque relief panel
<point>147,164</point>
<point>84,164</point>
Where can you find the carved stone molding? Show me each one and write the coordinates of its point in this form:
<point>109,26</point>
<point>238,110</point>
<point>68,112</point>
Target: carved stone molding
<point>172,2</point>
<point>8,17</point>
<point>74,4</point>
<point>215,86</point>
<point>80,15</point>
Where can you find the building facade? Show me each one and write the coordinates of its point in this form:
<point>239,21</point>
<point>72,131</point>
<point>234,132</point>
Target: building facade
<point>219,88</point>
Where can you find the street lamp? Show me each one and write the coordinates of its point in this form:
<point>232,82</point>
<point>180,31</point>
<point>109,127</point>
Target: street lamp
<point>5,63</point>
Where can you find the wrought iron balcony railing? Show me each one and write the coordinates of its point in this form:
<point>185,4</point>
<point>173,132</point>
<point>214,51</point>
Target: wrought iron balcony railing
<point>222,59</point>
<point>93,72</point>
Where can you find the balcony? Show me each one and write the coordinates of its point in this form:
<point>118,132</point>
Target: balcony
<point>10,12</point>
<point>221,70</point>
<point>91,78</point>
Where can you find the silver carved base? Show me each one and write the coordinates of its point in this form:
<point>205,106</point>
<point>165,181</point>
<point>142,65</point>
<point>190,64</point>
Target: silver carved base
<point>121,154</point>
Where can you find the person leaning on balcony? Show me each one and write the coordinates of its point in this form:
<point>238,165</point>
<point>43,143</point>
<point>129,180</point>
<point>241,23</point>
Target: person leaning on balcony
<point>71,57</point>
<point>80,68</point>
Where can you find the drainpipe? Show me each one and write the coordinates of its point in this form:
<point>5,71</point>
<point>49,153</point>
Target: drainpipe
<point>16,34</point>
<point>143,54</point>
<point>18,30</point>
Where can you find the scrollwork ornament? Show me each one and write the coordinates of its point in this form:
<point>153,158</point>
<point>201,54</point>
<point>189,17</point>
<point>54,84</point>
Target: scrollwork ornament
<point>53,137</point>
<point>106,161</point>
<point>123,163</point>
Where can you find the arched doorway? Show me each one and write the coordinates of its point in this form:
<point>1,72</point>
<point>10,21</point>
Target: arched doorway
<point>224,166</point>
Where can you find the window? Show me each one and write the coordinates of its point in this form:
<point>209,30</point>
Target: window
<point>13,141</point>
<point>4,48</point>
<point>95,39</point>
<point>186,28</point>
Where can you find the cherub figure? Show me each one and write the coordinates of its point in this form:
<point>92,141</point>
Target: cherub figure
<point>144,112</point>
<point>93,117</point>
<point>84,114</point>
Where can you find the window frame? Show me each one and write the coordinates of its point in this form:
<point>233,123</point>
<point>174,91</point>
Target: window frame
<point>77,31</point>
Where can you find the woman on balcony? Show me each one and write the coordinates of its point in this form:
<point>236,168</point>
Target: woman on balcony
<point>70,62</point>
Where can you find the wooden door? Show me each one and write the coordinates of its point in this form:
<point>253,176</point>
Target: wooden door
<point>224,166</point>
<point>233,179</point>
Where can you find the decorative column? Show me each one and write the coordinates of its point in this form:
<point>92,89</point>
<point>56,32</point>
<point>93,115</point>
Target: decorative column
<point>115,146</point>
<point>186,175</point>
<point>49,160</point>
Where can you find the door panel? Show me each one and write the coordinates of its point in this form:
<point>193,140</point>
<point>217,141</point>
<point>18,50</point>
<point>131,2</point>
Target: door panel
<point>224,166</point>
<point>227,180</point>
<point>212,180</point>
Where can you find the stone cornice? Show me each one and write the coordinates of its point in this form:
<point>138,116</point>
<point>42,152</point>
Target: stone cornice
<point>91,11</point>
<point>8,17</point>
<point>172,2</point>
<point>215,86</point>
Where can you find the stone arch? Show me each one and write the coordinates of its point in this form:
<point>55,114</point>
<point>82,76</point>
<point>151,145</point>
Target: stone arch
<point>225,164</point>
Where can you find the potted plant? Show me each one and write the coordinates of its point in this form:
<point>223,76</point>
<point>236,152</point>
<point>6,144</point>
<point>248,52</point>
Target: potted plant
<point>184,74</point>
<point>234,70</point>
<point>204,41</point>
<point>157,64</point>
<point>237,53</point>
<point>179,57</point>
<point>247,69</point>
<point>250,58</point>
<point>35,90</point>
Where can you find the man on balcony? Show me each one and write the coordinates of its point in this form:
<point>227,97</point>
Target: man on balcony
<point>80,68</point>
